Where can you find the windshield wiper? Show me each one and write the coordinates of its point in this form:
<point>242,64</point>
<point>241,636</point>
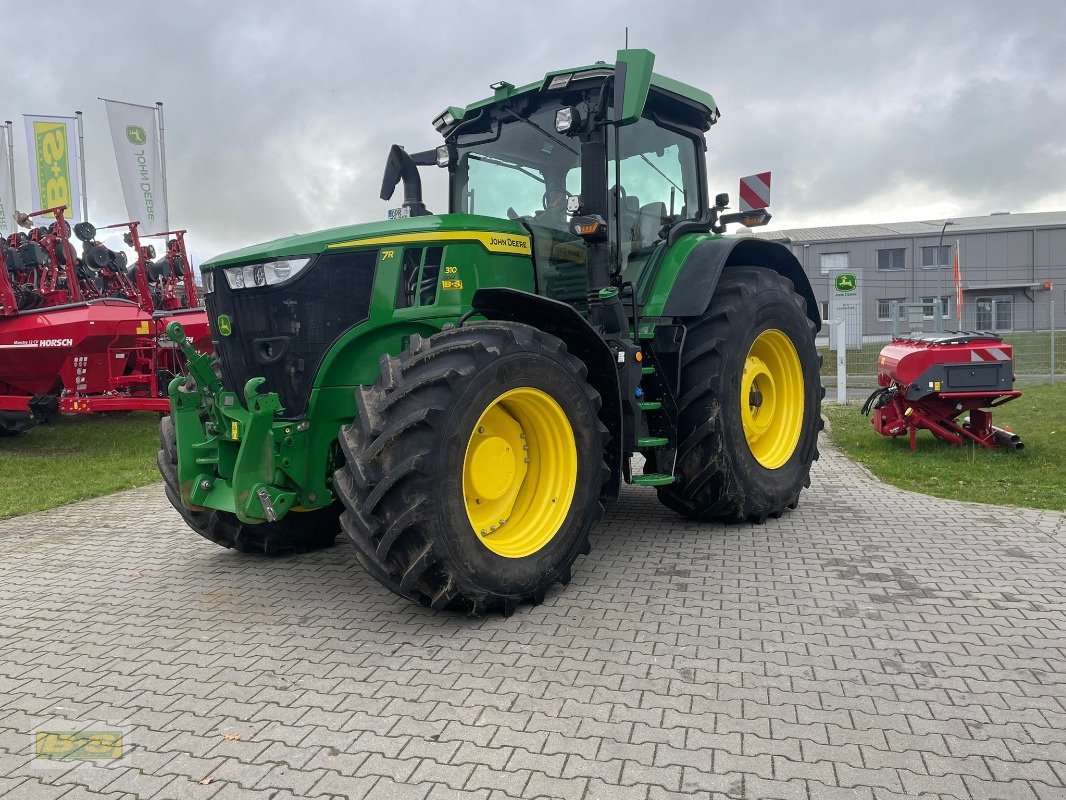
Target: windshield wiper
<point>508,164</point>
<point>646,161</point>
<point>534,125</point>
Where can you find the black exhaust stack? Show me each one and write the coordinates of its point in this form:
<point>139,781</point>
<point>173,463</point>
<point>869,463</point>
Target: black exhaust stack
<point>401,166</point>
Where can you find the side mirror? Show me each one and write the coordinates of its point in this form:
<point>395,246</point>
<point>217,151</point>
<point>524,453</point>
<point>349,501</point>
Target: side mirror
<point>721,200</point>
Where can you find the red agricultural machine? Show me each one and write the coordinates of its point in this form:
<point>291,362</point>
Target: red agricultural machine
<point>85,334</point>
<point>930,381</point>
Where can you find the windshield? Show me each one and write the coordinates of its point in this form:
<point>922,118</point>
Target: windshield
<point>521,168</point>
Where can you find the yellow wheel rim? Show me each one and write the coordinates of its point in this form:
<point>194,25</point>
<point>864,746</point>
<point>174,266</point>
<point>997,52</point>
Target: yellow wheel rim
<point>771,398</point>
<point>519,472</point>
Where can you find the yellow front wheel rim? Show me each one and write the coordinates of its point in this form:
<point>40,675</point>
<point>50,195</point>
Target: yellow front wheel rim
<point>519,472</point>
<point>771,398</point>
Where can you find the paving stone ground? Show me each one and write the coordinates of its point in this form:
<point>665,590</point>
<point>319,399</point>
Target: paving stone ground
<point>872,644</point>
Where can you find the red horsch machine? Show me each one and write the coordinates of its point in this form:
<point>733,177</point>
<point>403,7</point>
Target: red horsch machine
<point>930,381</point>
<point>85,334</point>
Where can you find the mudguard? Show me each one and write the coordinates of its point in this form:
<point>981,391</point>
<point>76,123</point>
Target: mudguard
<point>695,283</point>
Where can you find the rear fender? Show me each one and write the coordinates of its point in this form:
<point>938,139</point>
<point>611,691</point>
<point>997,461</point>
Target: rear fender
<point>583,342</point>
<point>695,282</point>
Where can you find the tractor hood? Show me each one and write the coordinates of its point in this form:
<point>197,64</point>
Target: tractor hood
<point>391,232</point>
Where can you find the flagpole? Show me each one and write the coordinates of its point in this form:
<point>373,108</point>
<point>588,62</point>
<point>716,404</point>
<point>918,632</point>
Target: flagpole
<point>163,162</point>
<point>11,161</point>
<point>958,286</point>
<point>81,166</point>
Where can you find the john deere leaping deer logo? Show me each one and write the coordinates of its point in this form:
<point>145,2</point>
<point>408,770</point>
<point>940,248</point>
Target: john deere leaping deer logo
<point>845,282</point>
<point>225,326</point>
<point>136,135</point>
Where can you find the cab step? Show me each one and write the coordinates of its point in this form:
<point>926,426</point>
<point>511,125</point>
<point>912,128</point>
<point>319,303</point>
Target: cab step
<point>653,479</point>
<point>650,405</point>
<point>646,442</point>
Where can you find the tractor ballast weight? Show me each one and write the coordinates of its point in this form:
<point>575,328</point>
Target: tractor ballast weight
<point>929,381</point>
<point>463,393</point>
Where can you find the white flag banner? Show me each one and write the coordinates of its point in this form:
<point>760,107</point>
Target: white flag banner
<point>7,187</point>
<point>135,134</point>
<point>51,143</point>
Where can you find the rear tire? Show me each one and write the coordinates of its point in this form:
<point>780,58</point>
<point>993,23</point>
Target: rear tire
<point>720,475</point>
<point>297,532</point>
<point>412,495</point>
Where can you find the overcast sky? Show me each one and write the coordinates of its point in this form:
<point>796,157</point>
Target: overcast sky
<point>279,116</point>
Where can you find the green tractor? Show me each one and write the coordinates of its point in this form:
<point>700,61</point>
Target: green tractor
<point>464,393</point>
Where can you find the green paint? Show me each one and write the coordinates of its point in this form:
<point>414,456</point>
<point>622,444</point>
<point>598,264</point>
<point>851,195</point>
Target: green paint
<point>638,65</point>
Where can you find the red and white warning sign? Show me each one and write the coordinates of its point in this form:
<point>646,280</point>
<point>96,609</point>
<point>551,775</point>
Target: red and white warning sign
<point>755,191</point>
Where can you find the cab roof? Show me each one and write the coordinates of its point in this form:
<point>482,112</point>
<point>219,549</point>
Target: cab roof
<point>697,100</point>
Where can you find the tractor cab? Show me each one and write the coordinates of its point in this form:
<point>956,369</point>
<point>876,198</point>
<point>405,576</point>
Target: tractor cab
<point>614,143</point>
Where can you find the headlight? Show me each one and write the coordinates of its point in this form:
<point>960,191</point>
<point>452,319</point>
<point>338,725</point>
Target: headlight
<point>268,273</point>
<point>209,280</point>
<point>567,119</point>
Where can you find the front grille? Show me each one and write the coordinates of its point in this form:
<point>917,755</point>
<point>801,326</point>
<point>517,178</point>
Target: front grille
<point>281,333</point>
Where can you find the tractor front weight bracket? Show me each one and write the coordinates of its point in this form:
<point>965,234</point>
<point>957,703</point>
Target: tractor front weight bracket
<point>229,452</point>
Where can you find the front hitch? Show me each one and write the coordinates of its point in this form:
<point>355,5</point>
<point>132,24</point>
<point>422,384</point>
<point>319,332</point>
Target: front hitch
<point>225,448</point>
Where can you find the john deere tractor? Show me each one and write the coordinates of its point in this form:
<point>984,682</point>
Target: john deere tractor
<point>463,393</point>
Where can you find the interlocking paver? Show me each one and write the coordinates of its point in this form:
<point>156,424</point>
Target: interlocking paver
<point>871,644</point>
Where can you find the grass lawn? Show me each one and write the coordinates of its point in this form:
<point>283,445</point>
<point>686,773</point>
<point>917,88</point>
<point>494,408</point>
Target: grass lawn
<point>75,458</point>
<point>1031,477</point>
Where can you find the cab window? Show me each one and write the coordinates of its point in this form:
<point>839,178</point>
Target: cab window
<point>657,185</point>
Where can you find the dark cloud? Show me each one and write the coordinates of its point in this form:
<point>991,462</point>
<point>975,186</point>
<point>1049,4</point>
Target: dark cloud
<point>279,116</point>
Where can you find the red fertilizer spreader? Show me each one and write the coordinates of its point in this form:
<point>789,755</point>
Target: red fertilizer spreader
<point>930,381</point>
<point>85,334</point>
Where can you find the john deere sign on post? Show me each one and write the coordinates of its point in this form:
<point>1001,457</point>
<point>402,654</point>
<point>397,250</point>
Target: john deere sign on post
<point>845,300</point>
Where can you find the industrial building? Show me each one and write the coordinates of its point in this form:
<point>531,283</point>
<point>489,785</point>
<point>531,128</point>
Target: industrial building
<point>1012,267</point>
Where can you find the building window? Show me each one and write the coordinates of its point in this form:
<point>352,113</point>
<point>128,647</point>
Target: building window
<point>892,259</point>
<point>834,261</point>
<point>825,310</point>
<point>929,260</point>
<point>995,313</point>
<point>928,309</point>
<point>884,308</point>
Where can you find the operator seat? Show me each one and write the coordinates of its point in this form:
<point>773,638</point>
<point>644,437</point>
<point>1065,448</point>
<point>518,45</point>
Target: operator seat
<point>629,216</point>
<point>652,219</point>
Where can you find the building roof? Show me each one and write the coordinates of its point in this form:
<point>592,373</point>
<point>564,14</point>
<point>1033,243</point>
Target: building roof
<point>992,222</point>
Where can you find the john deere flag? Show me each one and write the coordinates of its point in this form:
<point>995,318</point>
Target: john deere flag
<point>7,195</point>
<point>52,146</point>
<point>135,134</point>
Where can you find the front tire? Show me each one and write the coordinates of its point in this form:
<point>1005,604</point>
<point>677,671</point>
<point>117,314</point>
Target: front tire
<point>749,405</point>
<point>475,469</point>
<point>297,532</point>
